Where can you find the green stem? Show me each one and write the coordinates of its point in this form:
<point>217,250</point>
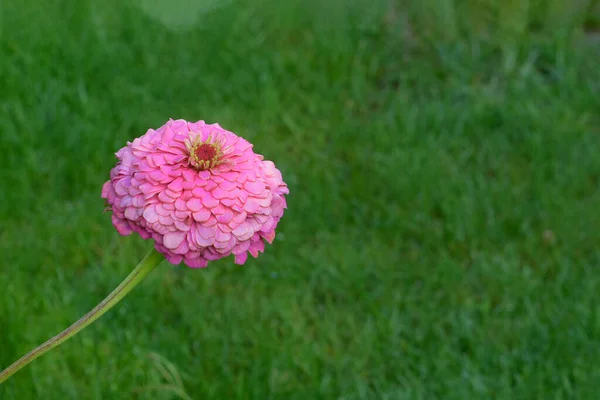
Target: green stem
<point>136,276</point>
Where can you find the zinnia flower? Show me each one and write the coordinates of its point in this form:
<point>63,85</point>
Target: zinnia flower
<point>198,190</point>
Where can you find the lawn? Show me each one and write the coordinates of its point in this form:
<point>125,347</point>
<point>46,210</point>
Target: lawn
<point>441,240</point>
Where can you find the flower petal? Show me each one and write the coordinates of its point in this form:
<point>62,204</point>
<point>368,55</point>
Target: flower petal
<point>194,204</point>
<point>202,215</point>
<point>150,214</point>
<point>173,239</point>
<point>209,201</point>
<point>255,187</point>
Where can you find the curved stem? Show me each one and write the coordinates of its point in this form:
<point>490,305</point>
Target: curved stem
<point>136,276</point>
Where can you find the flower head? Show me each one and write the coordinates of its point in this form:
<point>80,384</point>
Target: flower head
<point>198,190</point>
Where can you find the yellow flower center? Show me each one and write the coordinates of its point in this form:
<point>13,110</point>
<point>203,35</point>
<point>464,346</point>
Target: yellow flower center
<point>204,155</point>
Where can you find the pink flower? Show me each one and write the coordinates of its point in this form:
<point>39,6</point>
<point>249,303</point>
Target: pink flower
<point>198,190</point>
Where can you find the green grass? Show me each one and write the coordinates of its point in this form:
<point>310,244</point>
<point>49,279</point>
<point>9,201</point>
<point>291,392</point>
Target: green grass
<point>442,234</point>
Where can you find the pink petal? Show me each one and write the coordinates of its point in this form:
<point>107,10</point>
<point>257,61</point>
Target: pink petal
<point>165,220</point>
<point>194,204</point>
<point>138,201</point>
<point>199,192</point>
<point>133,190</point>
<point>269,236</point>
<point>120,188</point>
<point>241,247</point>
<point>218,209</point>
<point>225,227</point>
<point>167,135</point>
<point>181,225</point>
<point>209,201</point>
<point>221,236</point>
<point>221,247</point>
<point>277,205</point>
<point>183,248</point>
<point>148,188</point>
<point>176,185</point>
<point>251,205</point>
<point>173,258</point>
<point>211,185</point>
<point>204,242</point>
<point>225,167</point>
<point>162,196</point>
<point>121,225</point>
<point>229,176</point>
<point>256,187</point>
<point>225,217</point>
<point>233,194</point>
<point>161,211</point>
<point>172,194</point>
<point>269,225</point>
<point>240,259</point>
<point>143,166</point>
<point>197,262</point>
<point>243,196</point>
<point>181,205</point>
<point>219,193</point>
<point>228,185</point>
<point>181,215</point>
<point>266,201</point>
<point>243,231</point>
<point>202,215</point>
<point>261,218</point>
<point>106,189</point>
<point>256,247</point>
<point>158,159</point>
<point>211,221</point>
<point>156,175</point>
<point>206,232</point>
<point>211,254</point>
<point>189,174</point>
<point>241,217</point>
<point>124,202</point>
<point>242,178</point>
<point>173,239</point>
<point>150,214</point>
<point>166,169</point>
<point>131,213</point>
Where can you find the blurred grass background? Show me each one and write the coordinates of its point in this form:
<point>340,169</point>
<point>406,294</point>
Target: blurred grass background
<point>442,235</point>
